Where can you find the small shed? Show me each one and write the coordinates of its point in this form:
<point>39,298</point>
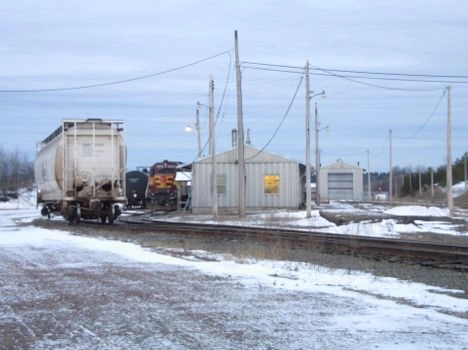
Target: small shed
<point>341,181</point>
<point>272,181</point>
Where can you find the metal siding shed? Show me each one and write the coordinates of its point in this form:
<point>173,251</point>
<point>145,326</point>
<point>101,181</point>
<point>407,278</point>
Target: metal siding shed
<point>341,181</point>
<point>258,164</point>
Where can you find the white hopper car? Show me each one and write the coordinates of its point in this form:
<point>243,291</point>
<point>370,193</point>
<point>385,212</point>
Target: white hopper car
<point>80,170</point>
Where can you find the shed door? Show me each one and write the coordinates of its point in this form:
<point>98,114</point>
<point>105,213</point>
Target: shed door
<point>340,186</point>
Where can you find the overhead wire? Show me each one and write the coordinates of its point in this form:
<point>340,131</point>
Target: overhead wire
<point>354,78</point>
<point>350,77</point>
<point>379,153</point>
<point>374,85</point>
<point>281,122</point>
<point>362,72</point>
<point>426,122</point>
<point>433,78</point>
<point>91,86</point>
<point>226,82</point>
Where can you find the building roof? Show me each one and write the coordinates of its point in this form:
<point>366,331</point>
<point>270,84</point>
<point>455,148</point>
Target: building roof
<point>251,155</point>
<point>339,164</point>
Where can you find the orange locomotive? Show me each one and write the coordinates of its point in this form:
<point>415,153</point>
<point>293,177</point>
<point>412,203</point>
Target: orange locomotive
<point>162,188</point>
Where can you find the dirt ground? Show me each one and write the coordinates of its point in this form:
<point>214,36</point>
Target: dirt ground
<point>66,299</point>
<point>61,296</point>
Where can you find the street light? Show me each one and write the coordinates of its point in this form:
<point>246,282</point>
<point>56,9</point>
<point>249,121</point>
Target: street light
<point>317,154</point>
<point>308,170</point>
<point>309,96</point>
<point>189,128</point>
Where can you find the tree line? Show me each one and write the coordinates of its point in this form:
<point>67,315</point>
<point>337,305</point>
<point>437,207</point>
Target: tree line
<point>407,180</point>
<point>16,171</point>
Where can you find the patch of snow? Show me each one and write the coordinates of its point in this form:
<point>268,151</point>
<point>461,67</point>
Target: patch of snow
<point>26,199</point>
<point>418,210</point>
<point>459,189</point>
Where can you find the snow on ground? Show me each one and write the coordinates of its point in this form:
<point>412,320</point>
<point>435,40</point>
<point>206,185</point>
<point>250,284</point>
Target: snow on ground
<point>26,199</point>
<point>356,310</point>
<point>418,210</point>
<point>459,189</point>
<point>374,228</point>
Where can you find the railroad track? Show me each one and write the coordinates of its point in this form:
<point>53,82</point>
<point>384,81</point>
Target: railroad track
<point>435,254</point>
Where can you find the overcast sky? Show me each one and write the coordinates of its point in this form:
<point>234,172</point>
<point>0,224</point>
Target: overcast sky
<point>63,44</point>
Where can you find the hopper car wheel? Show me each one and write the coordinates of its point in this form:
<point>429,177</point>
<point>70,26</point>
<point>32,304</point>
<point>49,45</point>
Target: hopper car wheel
<point>103,219</point>
<point>45,211</point>
<point>78,214</point>
<point>74,215</point>
<point>111,215</point>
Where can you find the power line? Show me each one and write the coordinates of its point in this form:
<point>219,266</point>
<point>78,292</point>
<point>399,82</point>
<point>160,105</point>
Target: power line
<point>282,121</point>
<point>362,72</point>
<point>228,76</point>
<point>327,73</point>
<point>90,86</point>
<point>379,153</point>
<point>375,85</point>
<point>400,74</point>
<point>354,77</point>
<point>426,122</point>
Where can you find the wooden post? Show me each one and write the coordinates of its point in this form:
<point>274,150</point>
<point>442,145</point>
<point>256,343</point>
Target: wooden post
<point>449,150</point>
<point>214,187</point>
<point>240,138</point>
<point>307,182</point>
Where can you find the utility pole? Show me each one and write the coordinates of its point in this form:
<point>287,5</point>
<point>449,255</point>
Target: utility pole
<point>432,183</point>
<point>466,184</point>
<point>197,126</point>
<point>214,188</point>
<point>307,182</point>
<point>317,157</point>
<point>240,137</point>
<point>420,183</point>
<point>368,177</point>
<point>449,150</point>
<point>390,180</point>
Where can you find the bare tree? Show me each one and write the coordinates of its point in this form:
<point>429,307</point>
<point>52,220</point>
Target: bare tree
<point>16,171</point>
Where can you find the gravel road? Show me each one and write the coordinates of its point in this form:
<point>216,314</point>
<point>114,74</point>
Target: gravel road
<point>61,296</point>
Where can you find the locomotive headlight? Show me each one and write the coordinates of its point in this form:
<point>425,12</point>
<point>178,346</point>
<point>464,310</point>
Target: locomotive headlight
<point>135,195</point>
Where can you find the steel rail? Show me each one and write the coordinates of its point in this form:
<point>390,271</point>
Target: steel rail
<point>412,251</point>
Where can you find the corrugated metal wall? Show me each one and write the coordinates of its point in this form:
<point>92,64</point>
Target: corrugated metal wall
<point>341,181</point>
<point>290,192</point>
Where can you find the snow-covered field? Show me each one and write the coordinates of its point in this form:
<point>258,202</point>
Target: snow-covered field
<point>215,303</point>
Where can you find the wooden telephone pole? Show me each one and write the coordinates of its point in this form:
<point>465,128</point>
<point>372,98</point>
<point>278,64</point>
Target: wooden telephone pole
<point>307,182</point>
<point>449,150</point>
<point>240,137</point>
<point>390,181</point>
<point>214,188</point>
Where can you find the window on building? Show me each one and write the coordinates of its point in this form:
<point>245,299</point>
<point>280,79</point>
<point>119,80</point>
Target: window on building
<point>271,183</point>
<point>221,184</point>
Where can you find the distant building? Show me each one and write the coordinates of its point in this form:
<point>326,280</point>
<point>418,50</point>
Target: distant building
<point>341,181</point>
<point>272,181</point>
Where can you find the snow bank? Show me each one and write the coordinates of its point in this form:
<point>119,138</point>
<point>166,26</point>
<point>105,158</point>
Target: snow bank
<point>26,200</point>
<point>458,189</point>
<point>417,210</point>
